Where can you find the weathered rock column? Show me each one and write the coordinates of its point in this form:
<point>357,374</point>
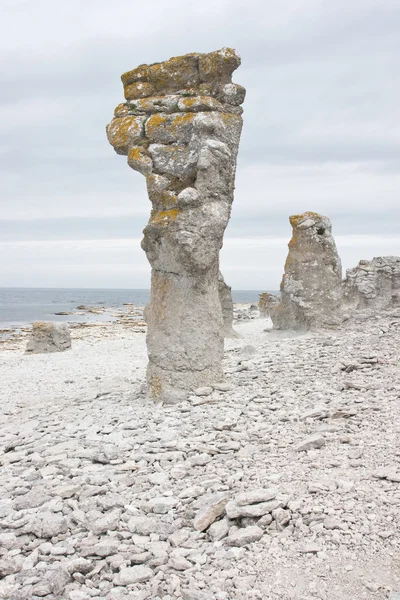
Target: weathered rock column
<point>180,127</point>
<point>311,285</point>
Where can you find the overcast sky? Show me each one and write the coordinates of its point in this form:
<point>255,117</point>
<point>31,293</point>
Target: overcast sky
<point>321,131</point>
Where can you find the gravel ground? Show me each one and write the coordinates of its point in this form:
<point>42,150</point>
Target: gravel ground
<point>283,483</point>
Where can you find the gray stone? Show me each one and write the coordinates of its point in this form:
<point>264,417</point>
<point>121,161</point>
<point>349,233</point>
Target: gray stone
<point>32,499</point>
<point>210,513</point>
<point>245,536</point>
<point>313,441</point>
<point>311,287</point>
<point>189,160</point>
<point>234,511</point>
<point>47,525</point>
<point>162,504</point>
<point>109,522</point>
<point>9,566</point>
<point>180,563</point>
<point>203,391</point>
<point>257,495</point>
<point>131,575</point>
<point>48,337</point>
<point>218,530</point>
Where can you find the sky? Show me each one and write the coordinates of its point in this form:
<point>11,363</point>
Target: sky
<point>321,132</point>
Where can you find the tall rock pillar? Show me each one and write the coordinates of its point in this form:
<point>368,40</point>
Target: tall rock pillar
<point>180,127</point>
<point>311,285</point>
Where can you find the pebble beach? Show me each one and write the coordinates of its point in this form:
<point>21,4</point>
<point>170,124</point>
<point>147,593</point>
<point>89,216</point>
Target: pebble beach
<point>281,482</point>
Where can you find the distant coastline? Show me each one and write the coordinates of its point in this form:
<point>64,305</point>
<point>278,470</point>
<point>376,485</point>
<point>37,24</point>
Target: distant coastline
<point>20,307</point>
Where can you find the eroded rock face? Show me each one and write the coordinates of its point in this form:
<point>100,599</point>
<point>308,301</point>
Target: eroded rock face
<point>48,337</point>
<point>373,285</point>
<point>225,298</point>
<point>311,284</point>
<point>180,127</point>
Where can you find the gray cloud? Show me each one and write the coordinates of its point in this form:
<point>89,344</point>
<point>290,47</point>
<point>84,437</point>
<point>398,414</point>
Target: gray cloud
<point>321,114</point>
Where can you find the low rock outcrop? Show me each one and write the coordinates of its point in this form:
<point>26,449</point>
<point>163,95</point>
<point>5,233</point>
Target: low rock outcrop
<point>180,127</point>
<point>311,286</point>
<point>48,337</point>
<point>373,285</point>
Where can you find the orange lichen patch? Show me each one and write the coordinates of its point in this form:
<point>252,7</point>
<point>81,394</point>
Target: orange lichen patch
<point>179,120</point>
<point>139,160</point>
<point>155,387</point>
<point>141,73</point>
<point>138,90</point>
<point>164,217</point>
<point>123,132</point>
<point>199,103</point>
<point>176,73</point>
<point>121,110</point>
<point>295,220</point>
<point>169,128</point>
<point>218,65</point>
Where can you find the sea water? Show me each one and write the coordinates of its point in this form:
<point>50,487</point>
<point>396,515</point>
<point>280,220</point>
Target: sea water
<point>22,306</point>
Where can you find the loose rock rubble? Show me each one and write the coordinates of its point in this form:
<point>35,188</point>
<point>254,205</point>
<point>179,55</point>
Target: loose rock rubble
<point>282,482</point>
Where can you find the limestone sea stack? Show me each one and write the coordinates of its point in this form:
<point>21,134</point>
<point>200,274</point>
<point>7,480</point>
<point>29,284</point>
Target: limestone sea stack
<point>311,284</point>
<point>225,298</point>
<point>373,285</point>
<point>48,337</point>
<point>180,127</point>
<point>266,302</point>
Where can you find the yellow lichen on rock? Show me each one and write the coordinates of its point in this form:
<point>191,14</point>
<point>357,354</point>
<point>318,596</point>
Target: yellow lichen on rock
<point>138,90</point>
<point>177,73</point>
<point>295,220</point>
<point>218,65</point>
<point>124,132</point>
<point>164,217</point>
<point>121,110</point>
<point>141,73</point>
<point>139,160</point>
<point>165,129</point>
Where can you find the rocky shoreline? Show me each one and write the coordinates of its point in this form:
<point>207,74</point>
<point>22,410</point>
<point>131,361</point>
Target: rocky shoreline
<point>283,482</point>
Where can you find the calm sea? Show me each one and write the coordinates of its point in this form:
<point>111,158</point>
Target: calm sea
<point>22,306</point>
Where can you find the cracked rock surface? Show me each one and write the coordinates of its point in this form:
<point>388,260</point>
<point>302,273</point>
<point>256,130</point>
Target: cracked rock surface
<point>373,284</point>
<point>104,495</point>
<point>180,127</point>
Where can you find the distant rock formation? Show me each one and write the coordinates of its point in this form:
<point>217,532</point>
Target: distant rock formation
<point>373,285</point>
<point>180,127</point>
<point>48,337</point>
<point>312,283</point>
<point>267,302</point>
<point>225,298</point>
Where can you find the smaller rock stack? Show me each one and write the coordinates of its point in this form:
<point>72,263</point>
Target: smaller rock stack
<point>225,298</point>
<point>48,337</point>
<point>373,285</point>
<point>311,286</point>
<point>266,302</point>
